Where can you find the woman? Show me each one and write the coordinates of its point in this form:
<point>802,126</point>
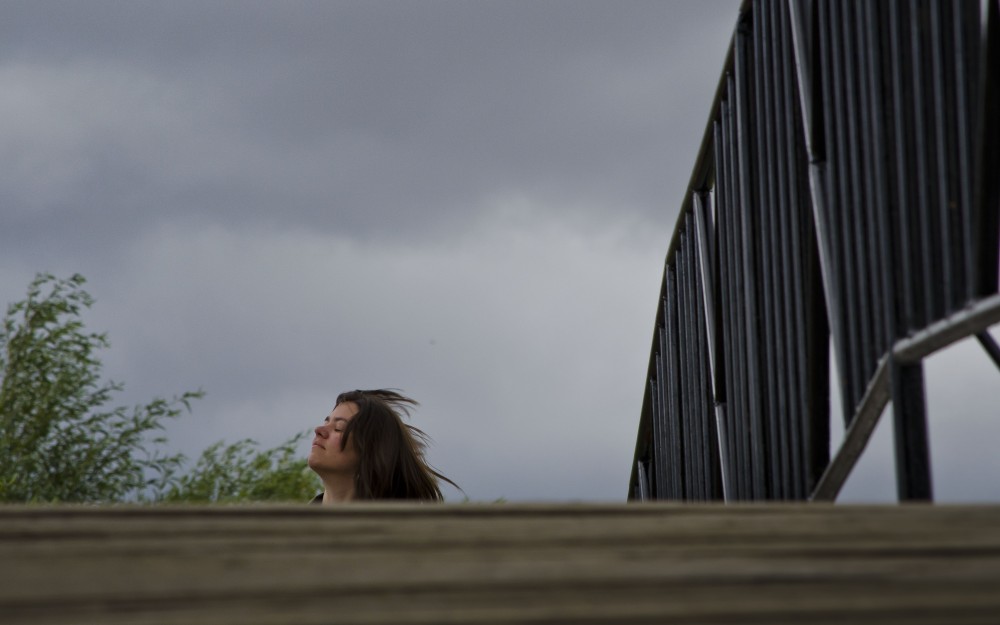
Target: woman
<point>364,451</point>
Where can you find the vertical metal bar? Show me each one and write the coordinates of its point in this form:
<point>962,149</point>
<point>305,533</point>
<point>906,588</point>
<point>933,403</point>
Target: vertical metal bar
<point>683,333</point>
<point>710,452</point>
<point>666,462</point>
<point>987,183</point>
<point>739,297</point>
<point>698,353</point>
<point>725,480</point>
<point>662,458</point>
<point>720,249</point>
<point>867,100</point>
<point>964,20</point>
<point>803,57</point>
<point>856,281</point>
<point>812,98</point>
<point>659,418</point>
<point>869,21</point>
<point>707,264</point>
<point>904,221</point>
<point>687,404</point>
<point>779,257</point>
<point>748,237</point>
<point>906,381</point>
<point>853,177</point>
<point>697,361</point>
<point>677,311</point>
<point>833,204</point>
<point>675,430</point>
<point>794,292</point>
<point>784,293</point>
<point>713,456</point>
<point>695,370</point>
<point>814,354</point>
<point>785,162</point>
<point>774,451</point>
<point>697,377</point>
<point>930,278</point>
<point>947,205</point>
<point>666,455</point>
<point>873,61</point>
<point>781,446</point>
<point>913,460</point>
<point>654,394</point>
<point>740,403</point>
<point>726,394</point>
<point>643,486</point>
<point>701,365</point>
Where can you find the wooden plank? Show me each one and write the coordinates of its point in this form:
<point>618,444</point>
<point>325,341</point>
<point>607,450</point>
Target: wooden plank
<point>397,563</point>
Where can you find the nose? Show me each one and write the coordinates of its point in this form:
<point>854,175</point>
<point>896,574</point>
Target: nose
<point>321,431</point>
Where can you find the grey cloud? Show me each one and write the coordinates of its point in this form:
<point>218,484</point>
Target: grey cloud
<point>274,325</point>
<point>373,119</point>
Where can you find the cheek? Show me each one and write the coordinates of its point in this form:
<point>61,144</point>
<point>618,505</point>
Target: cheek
<point>337,441</point>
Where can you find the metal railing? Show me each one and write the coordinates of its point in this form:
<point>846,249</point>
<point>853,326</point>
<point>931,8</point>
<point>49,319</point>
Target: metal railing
<point>846,195</point>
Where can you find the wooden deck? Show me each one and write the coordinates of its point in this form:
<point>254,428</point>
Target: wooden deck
<point>504,563</point>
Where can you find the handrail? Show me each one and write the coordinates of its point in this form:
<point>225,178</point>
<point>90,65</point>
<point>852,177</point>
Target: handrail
<point>845,193</point>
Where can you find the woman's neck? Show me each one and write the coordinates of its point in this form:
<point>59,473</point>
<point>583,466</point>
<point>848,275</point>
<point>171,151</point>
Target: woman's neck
<point>338,489</point>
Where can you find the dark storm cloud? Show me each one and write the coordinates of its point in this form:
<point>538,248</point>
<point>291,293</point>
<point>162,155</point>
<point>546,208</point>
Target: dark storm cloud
<point>360,117</point>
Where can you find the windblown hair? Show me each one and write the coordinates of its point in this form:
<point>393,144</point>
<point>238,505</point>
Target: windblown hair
<point>391,452</point>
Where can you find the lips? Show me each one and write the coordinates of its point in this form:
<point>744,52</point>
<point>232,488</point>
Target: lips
<point>316,444</point>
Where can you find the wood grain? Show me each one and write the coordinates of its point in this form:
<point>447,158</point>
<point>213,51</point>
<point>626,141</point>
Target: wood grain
<point>399,563</point>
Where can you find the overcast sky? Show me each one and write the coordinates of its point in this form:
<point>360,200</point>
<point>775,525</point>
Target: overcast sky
<point>469,201</point>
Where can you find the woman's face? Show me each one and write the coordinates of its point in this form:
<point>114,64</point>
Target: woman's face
<point>326,455</point>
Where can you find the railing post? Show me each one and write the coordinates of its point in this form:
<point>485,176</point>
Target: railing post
<point>913,458</point>
<point>706,264</point>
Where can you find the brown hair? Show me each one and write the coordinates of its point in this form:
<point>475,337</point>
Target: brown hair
<point>391,452</point>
